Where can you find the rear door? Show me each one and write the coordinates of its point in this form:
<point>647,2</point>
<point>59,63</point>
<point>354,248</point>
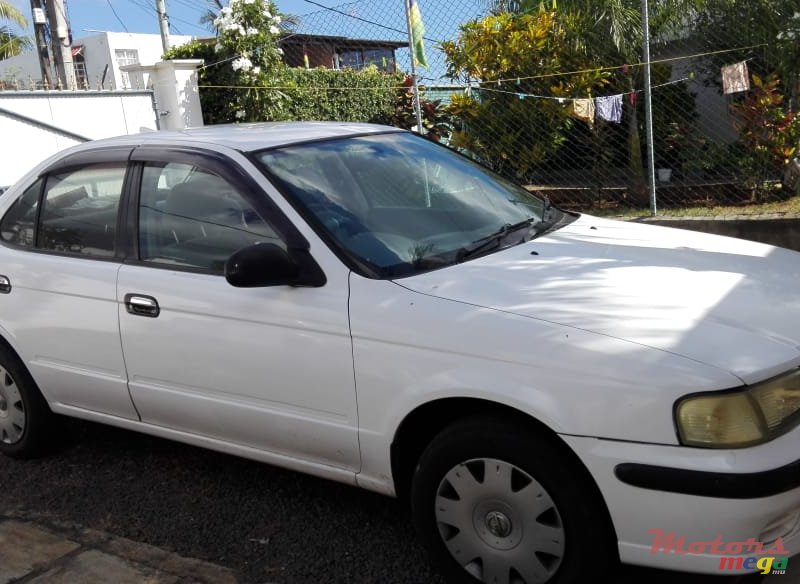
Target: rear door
<point>61,251</point>
<point>263,368</point>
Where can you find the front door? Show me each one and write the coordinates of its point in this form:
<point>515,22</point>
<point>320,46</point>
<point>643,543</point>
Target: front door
<point>263,368</point>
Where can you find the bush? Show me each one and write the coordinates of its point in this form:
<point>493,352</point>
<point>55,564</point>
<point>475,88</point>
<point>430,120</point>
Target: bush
<point>346,95</point>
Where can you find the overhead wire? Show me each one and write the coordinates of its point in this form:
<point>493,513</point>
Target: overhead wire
<point>365,20</point>
<point>111,6</point>
<point>151,10</point>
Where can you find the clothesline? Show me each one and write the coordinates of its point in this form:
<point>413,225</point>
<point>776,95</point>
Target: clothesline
<point>523,95</point>
<point>627,65</point>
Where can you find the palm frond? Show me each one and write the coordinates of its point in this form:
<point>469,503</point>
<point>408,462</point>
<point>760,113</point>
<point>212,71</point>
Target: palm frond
<point>11,13</point>
<point>12,44</point>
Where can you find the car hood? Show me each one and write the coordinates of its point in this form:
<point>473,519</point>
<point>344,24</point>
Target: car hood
<point>725,302</point>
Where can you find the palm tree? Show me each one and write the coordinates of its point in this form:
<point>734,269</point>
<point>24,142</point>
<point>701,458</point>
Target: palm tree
<point>12,43</point>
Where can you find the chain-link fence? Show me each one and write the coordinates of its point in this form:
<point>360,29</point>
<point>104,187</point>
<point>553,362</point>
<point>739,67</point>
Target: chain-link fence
<point>554,94</point>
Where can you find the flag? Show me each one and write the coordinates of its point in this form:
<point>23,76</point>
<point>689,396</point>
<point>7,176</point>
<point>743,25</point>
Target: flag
<point>417,34</point>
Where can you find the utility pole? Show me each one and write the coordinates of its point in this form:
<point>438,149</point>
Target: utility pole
<point>42,46</point>
<point>163,24</point>
<point>62,46</point>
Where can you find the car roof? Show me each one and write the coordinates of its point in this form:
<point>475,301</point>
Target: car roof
<point>249,137</point>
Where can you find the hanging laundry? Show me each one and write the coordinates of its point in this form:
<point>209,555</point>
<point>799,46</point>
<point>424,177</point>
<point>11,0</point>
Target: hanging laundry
<point>609,108</point>
<point>735,78</point>
<point>583,109</point>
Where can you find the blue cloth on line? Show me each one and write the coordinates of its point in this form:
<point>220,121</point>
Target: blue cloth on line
<point>609,108</point>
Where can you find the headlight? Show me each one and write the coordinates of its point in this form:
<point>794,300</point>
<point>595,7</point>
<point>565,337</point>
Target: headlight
<point>740,418</point>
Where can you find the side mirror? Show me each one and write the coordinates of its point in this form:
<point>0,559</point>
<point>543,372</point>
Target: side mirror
<point>266,264</point>
<point>259,265</point>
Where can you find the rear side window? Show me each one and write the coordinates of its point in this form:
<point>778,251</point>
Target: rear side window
<point>18,224</point>
<point>80,208</point>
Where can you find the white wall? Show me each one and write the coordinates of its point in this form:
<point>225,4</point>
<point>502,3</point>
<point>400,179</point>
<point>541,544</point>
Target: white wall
<point>714,120</point>
<point>90,114</point>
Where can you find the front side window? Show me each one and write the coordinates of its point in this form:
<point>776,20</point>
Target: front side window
<point>80,208</point>
<point>401,204</point>
<point>193,218</point>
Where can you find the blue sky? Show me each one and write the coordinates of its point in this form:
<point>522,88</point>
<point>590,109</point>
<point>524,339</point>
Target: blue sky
<point>140,15</point>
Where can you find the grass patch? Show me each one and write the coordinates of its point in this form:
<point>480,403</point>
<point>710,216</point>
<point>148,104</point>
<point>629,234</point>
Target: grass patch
<point>790,206</point>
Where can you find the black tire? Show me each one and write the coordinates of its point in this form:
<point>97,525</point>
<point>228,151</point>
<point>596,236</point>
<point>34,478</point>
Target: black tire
<point>574,542</point>
<point>26,422</point>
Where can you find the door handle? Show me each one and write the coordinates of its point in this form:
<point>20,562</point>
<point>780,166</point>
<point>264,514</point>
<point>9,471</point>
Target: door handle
<point>5,285</point>
<point>142,305</point>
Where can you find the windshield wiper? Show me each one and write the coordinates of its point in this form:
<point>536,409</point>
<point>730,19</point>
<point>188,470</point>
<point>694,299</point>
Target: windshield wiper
<point>493,240</point>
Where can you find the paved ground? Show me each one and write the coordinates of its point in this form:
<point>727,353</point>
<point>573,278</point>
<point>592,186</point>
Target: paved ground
<point>265,524</point>
<point>32,553</point>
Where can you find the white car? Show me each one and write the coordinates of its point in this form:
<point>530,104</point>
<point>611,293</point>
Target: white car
<point>554,392</point>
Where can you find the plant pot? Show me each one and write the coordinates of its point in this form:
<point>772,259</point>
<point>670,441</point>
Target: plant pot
<point>664,174</point>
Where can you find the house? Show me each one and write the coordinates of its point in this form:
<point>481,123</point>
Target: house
<point>97,59</point>
<point>338,52</point>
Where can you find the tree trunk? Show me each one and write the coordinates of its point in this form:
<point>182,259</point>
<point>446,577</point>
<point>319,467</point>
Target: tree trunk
<point>637,183</point>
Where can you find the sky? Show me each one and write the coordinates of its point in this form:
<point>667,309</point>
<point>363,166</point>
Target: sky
<point>140,15</point>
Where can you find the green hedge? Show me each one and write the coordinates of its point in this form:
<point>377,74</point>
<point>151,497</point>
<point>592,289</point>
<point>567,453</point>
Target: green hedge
<point>317,94</point>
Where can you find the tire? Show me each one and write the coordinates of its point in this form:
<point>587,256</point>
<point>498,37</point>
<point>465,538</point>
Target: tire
<point>26,422</point>
<point>497,502</point>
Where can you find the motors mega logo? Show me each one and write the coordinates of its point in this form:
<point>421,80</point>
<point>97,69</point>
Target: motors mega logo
<point>732,554</point>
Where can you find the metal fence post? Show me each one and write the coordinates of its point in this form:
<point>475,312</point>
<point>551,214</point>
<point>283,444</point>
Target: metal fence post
<point>648,109</point>
<point>415,87</point>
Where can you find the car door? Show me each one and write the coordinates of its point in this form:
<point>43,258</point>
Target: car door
<point>60,258</point>
<point>259,368</point>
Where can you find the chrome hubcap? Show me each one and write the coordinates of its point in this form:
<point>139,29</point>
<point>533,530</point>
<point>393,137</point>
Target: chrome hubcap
<point>499,523</point>
<point>12,410</point>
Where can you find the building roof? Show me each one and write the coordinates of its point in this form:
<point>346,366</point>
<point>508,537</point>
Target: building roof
<point>300,38</point>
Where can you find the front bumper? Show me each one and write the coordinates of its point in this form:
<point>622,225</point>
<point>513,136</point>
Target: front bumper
<point>662,499</point>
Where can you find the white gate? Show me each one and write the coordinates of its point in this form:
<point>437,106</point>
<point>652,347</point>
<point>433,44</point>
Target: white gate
<point>36,124</point>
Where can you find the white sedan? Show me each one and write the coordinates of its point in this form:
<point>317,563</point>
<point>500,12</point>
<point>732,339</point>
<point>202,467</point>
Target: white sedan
<point>553,392</point>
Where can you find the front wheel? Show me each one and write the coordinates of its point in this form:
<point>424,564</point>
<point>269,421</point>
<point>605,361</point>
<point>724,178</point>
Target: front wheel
<point>497,503</point>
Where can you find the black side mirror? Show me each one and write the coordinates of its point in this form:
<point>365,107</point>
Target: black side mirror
<point>266,264</point>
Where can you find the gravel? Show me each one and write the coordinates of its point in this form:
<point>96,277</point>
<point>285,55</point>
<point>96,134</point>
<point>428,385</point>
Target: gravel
<point>268,524</point>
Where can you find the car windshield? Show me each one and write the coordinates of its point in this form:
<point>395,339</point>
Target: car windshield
<point>397,204</point>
